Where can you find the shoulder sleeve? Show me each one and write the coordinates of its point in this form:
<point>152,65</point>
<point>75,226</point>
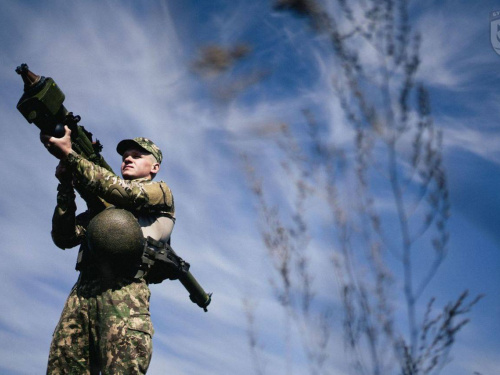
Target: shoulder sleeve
<point>135,195</point>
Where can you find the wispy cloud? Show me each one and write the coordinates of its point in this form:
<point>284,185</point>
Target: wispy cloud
<point>447,61</point>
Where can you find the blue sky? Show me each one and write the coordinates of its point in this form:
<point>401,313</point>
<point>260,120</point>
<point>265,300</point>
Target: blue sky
<point>125,68</point>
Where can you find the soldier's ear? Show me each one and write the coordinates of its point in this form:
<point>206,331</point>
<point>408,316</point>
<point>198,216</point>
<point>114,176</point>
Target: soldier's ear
<point>155,168</point>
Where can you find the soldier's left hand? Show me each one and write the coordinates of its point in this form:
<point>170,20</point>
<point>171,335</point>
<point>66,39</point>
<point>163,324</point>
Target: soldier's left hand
<point>63,174</point>
<point>59,147</point>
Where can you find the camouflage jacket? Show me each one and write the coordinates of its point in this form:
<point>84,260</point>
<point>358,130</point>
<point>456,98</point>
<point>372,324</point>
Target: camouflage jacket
<point>97,186</point>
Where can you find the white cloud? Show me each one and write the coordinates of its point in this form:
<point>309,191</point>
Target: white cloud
<point>475,141</point>
<point>450,55</point>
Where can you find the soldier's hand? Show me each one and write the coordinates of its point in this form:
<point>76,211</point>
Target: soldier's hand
<point>59,147</point>
<point>63,174</point>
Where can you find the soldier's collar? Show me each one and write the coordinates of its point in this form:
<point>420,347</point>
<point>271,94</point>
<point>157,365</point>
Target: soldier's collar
<point>142,179</point>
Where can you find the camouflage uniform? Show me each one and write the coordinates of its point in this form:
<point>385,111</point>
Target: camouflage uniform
<point>105,324</point>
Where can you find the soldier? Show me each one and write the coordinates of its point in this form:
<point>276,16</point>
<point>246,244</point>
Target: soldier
<point>105,325</point>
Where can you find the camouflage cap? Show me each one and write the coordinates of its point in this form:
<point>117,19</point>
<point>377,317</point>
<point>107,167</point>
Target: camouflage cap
<point>141,143</point>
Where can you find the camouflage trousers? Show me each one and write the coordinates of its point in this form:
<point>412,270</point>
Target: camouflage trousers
<point>103,329</point>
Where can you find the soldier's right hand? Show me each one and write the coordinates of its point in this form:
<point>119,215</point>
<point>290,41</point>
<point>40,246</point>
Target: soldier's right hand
<point>59,147</point>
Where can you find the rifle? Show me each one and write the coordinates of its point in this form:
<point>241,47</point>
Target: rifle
<point>42,104</point>
<point>160,262</point>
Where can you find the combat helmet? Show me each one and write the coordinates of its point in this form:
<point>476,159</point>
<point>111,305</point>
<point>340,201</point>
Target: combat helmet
<point>114,236</point>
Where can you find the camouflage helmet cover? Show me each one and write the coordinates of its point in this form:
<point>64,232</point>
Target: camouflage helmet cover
<point>141,143</point>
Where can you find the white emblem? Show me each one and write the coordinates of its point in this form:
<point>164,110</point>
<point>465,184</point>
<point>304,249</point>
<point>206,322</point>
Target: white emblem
<point>495,30</point>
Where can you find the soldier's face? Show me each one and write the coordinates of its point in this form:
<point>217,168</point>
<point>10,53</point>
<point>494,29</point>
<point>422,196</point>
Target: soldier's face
<point>138,164</point>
